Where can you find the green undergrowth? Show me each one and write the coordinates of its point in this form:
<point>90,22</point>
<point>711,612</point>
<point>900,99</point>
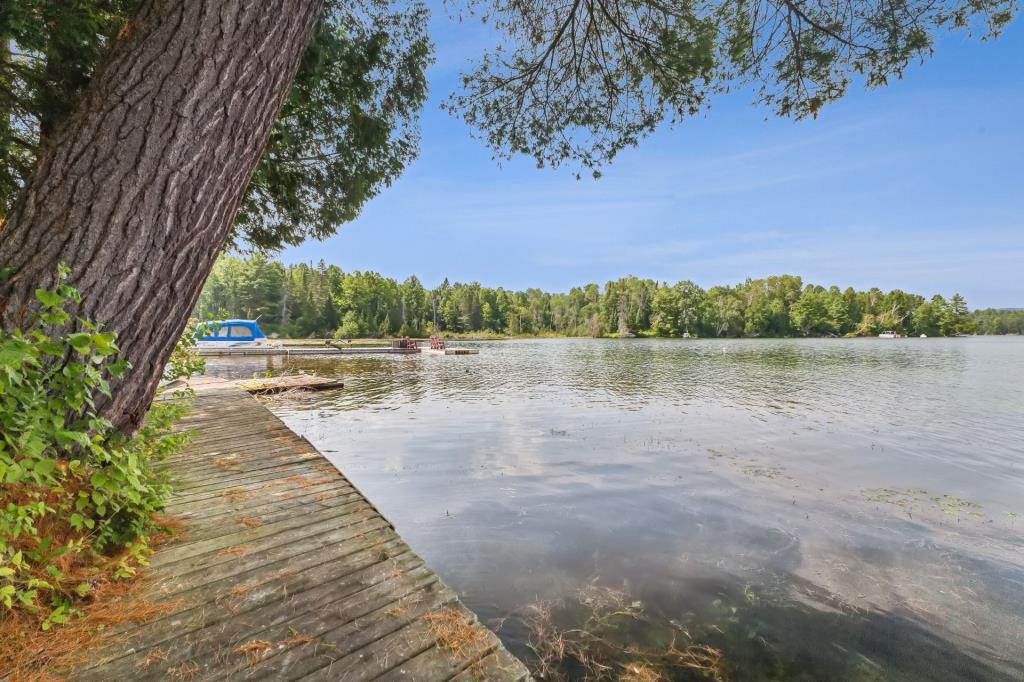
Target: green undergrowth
<point>80,500</point>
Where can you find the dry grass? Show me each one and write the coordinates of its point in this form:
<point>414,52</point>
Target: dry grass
<point>234,599</point>
<point>295,639</point>
<point>185,671</point>
<point>236,495</point>
<point>227,464</point>
<point>32,655</point>
<point>309,483</point>
<point>152,658</point>
<point>254,650</point>
<point>241,591</point>
<point>248,521</point>
<point>168,528</point>
<point>453,632</point>
<point>237,550</point>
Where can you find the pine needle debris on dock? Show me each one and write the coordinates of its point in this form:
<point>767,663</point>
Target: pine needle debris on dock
<point>287,572</point>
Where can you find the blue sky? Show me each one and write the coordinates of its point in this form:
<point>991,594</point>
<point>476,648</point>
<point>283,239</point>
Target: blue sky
<point>918,186</point>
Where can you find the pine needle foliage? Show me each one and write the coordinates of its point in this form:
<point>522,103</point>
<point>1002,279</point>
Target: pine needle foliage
<point>78,498</point>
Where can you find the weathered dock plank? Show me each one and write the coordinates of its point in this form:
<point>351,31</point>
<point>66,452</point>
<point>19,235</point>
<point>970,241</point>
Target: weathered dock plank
<point>285,571</point>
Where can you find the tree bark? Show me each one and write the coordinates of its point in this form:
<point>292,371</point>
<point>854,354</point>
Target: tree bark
<point>137,191</point>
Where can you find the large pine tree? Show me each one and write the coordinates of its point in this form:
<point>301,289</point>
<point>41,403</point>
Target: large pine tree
<point>137,191</point>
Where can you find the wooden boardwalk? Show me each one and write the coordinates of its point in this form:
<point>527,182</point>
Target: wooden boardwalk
<point>287,572</point>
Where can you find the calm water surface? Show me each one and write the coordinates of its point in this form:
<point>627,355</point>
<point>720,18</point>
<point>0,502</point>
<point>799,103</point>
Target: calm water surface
<point>816,509</point>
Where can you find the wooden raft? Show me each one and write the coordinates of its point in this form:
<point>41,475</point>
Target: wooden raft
<point>287,572</point>
<point>309,382</point>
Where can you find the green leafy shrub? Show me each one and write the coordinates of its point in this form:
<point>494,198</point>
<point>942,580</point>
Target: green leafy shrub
<point>78,497</point>
<point>185,359</point>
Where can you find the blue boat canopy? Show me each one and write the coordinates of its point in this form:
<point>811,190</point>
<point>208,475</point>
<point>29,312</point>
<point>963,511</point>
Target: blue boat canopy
<point>230,330</point>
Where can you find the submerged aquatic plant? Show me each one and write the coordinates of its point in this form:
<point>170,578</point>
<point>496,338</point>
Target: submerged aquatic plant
<point>910,500</point>
<point>904,499</point>
<point>598,633</point>
<point>953,505</point>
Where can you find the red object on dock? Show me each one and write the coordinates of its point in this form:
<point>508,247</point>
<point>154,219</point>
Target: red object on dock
<point>436,343</point>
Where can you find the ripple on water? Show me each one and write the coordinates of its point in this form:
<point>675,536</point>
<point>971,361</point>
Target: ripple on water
<point>723,484</point>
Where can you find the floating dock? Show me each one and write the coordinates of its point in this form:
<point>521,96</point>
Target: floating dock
<point>286,571</point>
<point>303,351</point>
<point>303,382</point>
<point>451,351</point>
<point>306,351</point>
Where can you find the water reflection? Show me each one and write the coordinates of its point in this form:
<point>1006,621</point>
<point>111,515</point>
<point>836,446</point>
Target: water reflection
<point>706,476</point>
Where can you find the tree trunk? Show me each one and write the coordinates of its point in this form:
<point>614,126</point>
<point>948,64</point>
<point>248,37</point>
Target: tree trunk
<point>137,191</point>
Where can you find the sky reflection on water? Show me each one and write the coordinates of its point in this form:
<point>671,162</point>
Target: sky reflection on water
<point>792,481</point>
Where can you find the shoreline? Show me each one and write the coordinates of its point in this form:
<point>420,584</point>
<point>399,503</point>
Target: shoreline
<point>379,341</point>
<point>285,565</point>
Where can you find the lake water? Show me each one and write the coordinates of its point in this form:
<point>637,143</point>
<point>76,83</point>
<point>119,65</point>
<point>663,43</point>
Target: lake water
<point>813,509</point>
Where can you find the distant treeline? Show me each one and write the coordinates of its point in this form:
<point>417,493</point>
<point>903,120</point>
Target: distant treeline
<point>999,320</point>
<point>302,301</point>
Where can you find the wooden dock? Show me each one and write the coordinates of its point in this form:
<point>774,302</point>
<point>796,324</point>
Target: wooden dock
<point>451,351</point>
<point>287,572</point>
<point>302,382</point>
<point>302,351</point>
